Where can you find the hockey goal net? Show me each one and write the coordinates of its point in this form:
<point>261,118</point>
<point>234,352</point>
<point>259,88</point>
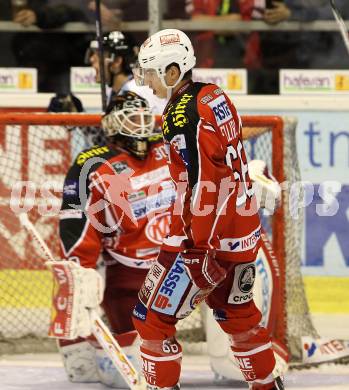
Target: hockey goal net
<point>35,153</point>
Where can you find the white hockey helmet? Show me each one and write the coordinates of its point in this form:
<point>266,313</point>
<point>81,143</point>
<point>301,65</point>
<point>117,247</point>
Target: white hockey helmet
<point>162,49</point>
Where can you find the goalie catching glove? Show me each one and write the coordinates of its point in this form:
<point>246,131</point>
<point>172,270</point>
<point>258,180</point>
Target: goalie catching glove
<point>76,290</point>
<point>203,269</point>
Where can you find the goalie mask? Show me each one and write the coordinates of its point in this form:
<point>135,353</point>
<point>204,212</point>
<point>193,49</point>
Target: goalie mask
<point>129,121</point>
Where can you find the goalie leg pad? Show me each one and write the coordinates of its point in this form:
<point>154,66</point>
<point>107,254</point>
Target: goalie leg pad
<point>79,359</point>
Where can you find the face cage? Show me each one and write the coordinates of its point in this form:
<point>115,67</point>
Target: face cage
<point>135,123</point>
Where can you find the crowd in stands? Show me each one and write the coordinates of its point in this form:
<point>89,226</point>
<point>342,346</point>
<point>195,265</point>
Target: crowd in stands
<point>262,53</point>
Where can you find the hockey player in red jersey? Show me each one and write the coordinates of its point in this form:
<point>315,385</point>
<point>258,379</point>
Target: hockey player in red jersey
<point>215,230</point>
<point>114,211</point>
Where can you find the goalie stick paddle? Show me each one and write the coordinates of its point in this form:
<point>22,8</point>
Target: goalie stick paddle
<point>341,24</point>
<point>99,329</point>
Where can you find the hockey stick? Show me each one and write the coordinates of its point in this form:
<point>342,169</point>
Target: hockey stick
<point>99,329</point>
<point>342,26</point>
<point>99,34</point>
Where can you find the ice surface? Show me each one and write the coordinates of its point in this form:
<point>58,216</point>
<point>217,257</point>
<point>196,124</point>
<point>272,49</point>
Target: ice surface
<point>45,372</point>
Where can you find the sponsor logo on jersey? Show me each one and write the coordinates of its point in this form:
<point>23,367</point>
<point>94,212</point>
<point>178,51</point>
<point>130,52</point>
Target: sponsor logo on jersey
<point>158,228</point>
<point>134,196</point>
<point>221,110</point>
<point>179,117</point>
<point>121,166</point>
<point>241,244</point>
<point>207,98</point>
<point>149,178</point>
<point>244,277</point>
<point>172,289</point>
<point>154,276</point>
<point>140,312</point>
<point>165,128</point>
<point>218,91</point>
<point>180,146</point>
<point>70,188</point>
<point>93,152</point>
<point>169,39</point>
<point>162,200</point>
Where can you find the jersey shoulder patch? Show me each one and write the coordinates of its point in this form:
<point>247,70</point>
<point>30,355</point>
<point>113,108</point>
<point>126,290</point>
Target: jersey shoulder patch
<point>73,177</point>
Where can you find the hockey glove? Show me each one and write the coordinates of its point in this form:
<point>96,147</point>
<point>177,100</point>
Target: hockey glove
<point>203,269</point>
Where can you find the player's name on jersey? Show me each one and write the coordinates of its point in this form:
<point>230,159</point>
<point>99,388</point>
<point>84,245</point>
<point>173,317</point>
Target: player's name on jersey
<point>301,81</point>
<point>18,80</point>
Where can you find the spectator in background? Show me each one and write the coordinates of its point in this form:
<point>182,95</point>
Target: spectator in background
<point>214,50</point>
<point>300,49</point>
<point>324,49</point>
<point>111,14</point>
<point>52,54</point>
<point>277,49</point>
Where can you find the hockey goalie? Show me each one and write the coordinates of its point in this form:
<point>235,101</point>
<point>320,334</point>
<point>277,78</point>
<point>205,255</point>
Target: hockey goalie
<point>110,217</point>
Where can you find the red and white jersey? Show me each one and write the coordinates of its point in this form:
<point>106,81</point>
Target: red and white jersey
<point>215,207</point>
<point>116,204</point>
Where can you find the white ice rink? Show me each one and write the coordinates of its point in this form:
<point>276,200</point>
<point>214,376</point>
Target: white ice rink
<point>45,371</point>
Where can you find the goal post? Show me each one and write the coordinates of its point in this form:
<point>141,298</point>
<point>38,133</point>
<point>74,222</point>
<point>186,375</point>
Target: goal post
<point>36,150</point>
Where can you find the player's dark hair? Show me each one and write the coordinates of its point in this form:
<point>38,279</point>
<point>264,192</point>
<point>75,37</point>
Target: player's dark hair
<point>187,75</point>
